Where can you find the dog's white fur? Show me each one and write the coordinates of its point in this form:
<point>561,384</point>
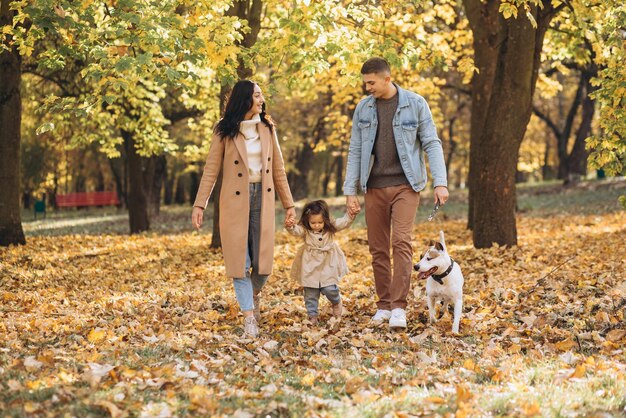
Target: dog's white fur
<point>436,260</point>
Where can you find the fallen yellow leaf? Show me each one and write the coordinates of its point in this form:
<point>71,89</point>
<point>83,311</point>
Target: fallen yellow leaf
<point>96,335</point>
<point>579,372</point>
<point>565,345</point>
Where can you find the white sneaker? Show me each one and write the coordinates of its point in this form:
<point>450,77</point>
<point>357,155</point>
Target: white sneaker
<point>398,318</point>
<point>381,315</point>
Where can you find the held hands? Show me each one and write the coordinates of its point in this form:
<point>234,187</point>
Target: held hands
<point>196,217</point>
<point>353,207</point>
<point>290,218</point>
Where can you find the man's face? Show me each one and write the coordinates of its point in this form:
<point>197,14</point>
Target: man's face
<point>376,84</point>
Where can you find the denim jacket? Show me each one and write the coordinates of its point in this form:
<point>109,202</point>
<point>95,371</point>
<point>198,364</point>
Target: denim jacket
<point>414,132</point>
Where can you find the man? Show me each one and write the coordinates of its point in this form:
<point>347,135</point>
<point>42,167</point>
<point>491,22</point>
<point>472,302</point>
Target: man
<point>391,130</point>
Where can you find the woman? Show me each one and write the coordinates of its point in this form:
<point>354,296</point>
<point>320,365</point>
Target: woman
<point>245,146</point>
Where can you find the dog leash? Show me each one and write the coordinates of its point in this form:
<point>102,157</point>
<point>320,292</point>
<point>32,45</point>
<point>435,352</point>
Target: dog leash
<point>434,212</point>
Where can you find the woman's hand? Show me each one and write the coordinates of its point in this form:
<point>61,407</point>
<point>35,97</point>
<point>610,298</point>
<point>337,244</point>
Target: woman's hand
<point>290,217</point>
<point>196,216</point>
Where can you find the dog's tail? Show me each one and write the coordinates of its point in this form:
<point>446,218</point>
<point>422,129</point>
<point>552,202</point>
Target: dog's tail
<point>442,239</point>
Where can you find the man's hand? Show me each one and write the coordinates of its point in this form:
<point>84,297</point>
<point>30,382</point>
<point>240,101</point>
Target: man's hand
<point>441,195</point>
<point>353,207</point>
<point>196,216</point>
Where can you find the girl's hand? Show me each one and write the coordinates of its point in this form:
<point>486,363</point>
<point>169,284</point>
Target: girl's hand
<point>353,206</point>
<point>290,217</point>
<point>196,217</point>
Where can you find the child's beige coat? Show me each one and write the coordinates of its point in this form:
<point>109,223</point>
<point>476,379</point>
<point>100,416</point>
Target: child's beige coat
<point>319,262</point>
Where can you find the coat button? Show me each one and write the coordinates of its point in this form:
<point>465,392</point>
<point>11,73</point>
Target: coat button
<point>319,239</point>
<point>236,161</point>
<point>269,159</point>
<point>237,193</point>
<point>267,171</point>
<point>239,175</point>
<point>269,189</point>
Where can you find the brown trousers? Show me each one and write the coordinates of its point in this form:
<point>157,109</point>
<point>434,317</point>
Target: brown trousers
<point>389,213</point>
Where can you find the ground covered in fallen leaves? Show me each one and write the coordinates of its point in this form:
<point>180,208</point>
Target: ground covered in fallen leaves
<point>112,325</point>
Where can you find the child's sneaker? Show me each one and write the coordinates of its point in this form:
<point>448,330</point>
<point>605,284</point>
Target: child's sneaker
<point>338,310</point>
<point>313,320</point>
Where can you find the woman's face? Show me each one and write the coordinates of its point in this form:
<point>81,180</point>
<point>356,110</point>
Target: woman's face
<point>257,102</point>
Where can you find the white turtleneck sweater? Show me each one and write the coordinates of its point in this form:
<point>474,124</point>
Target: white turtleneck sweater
<point>253,145</point>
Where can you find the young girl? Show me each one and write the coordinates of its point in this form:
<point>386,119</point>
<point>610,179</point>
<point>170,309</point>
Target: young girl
<point>319,263</point>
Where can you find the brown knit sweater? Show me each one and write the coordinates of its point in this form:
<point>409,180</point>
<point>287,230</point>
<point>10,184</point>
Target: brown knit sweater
<point>386,170</point>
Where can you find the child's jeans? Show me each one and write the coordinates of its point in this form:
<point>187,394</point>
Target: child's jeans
<point>245,287</point>
<point>312,296</point>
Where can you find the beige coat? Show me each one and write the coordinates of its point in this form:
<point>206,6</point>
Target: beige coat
<point>231,156</point>
<point>319,262</point>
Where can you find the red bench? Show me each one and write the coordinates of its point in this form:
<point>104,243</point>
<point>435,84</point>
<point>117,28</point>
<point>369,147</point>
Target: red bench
<point>87,199</point>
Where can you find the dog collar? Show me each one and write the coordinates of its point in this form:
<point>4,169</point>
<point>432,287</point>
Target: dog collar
<point>439,277</point>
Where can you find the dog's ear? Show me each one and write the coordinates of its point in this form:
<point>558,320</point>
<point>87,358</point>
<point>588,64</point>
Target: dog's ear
<point>433,254</point>
<point>439,246</point>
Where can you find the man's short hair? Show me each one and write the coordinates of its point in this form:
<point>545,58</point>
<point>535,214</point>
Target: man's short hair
<point>375,65</point>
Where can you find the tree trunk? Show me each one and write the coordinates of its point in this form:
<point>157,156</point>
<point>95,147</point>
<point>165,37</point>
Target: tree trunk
<point>11,232</point>
<point>299,180</point>
<point>507,55</point>
<point>147,168</point>
<point>573,165</point>
<point>168,193</point>
<point>546,171</point>
<point>328,173</point>
<point>563,138</point>
<point>160,176</point>
<point>153,180</point>
<point>117,168</point>
<point>137,200</point>
<point>339,180</point>
<point>100,178</point>
<point>453,144</point>
<point>179,195</point>
<point>577,160</point>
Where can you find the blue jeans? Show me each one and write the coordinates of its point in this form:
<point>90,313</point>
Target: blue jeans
<point>312,296</point>
<point>245,287</point>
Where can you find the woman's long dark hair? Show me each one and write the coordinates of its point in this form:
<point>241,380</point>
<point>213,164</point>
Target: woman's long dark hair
<point>239,103</point>
<point>317,207</point>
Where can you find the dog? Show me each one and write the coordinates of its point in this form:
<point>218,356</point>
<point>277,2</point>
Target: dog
<point>444,280</point>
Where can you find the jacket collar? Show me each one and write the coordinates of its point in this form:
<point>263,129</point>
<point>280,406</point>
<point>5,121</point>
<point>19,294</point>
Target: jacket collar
<point>403,100</point>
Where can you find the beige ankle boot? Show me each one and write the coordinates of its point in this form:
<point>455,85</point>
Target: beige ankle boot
<point>256,299</point>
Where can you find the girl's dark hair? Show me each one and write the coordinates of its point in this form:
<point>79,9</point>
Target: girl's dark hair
<point>317,207</point>
<point>239,103</point>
